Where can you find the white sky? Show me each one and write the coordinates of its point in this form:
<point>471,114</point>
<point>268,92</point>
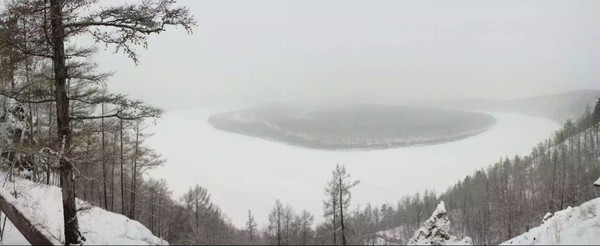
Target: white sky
<point>255,51</point>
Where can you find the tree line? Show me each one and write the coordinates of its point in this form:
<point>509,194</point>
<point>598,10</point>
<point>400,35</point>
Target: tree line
<point>499,202</point>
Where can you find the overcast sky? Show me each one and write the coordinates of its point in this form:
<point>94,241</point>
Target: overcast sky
<point>246,52</point>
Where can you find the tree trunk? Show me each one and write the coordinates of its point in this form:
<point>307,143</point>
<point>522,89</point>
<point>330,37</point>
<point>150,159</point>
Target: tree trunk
<point>122,174</point>
<point>158,205</point>
<point>86,169</point>
<point>134,171</point>
<point>48,166</point>
<point>342,212</point>
<point>278,226</point>
<point>112,176</point>
<point>71,224</point>
<point>103,160</point>
<point>333,208</point>
<point>555,162</point>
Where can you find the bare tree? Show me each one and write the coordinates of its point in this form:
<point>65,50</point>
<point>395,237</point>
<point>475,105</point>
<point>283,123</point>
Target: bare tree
<point>251,227</point>
<point>306,220</point>
<point>276,220</point>
<point>123,26</point>
<point>338,199</point>
<point>330,205</point>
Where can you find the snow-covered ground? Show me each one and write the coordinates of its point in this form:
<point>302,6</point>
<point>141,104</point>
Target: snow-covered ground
<point>573,226</point>
<point>98,226</point>
<point>390,237</point>
<point>436,230</point>
<point>243,172</point>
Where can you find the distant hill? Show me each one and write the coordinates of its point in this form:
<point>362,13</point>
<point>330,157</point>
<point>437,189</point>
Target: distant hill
<point>557,107</point>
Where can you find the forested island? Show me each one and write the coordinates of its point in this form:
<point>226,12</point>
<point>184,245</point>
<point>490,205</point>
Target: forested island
<point>363,126</point>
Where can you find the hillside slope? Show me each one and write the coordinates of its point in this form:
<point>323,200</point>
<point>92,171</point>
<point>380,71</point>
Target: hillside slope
<point>496,203</point>
<point>572,226</point>
<point>557,107</point>
<point>98,226</point>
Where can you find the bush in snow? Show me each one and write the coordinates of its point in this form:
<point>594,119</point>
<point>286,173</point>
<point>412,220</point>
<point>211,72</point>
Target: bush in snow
<point>435,231</point>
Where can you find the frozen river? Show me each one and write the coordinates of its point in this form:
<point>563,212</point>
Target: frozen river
<point>244,173</point>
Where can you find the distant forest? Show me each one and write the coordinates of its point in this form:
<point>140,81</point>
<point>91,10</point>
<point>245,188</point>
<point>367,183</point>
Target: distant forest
<point>358,126</point>
<point>506,199</point>
<point>491,205</point>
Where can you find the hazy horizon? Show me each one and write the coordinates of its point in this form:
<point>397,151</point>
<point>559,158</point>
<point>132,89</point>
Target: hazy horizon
<point>261,51</point>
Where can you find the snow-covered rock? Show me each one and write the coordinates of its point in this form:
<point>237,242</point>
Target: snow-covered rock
<point>435,231</point>
<point>98,226</point>
<point>572,226</point>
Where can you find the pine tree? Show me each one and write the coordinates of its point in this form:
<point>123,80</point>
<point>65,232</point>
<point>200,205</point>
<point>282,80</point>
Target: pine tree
<point>338,197</point>
<point>306,220</point>
<point>276,220</point>
<point>596,114</point>
<point>251,227</point>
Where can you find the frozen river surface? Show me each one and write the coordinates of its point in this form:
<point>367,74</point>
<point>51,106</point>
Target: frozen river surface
<point>244,173</point>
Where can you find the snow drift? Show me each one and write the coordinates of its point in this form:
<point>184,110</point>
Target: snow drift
<point>572,226</point>
<point>98,226</point>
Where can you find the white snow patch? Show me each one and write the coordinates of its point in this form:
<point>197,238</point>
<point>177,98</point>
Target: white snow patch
<point>572,226</point>
<point>98,226</point>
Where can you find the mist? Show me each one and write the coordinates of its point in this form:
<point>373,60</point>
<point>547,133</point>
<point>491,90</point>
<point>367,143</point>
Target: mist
<point>312,122</point>
<point>250,52</point>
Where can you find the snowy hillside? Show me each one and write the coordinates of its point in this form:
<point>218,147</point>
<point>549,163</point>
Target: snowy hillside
<point>558,107</point>
<point>98,226</point>
<point>572,226</point>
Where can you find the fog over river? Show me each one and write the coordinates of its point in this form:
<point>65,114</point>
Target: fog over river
<point>245,173</point>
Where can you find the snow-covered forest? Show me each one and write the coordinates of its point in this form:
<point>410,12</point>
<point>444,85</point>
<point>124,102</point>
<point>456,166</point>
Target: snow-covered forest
<point>501,201</point>
<point>75,157</point>
<point>62,127</point>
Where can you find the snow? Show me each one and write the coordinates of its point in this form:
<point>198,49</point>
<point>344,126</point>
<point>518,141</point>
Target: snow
<point>392,236</point>
<point>572,226</point>
<point>597,183</point>
<point>547,216</point>
<point>98,226</point>
<point>436,230</point>
<point>243,172</point>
